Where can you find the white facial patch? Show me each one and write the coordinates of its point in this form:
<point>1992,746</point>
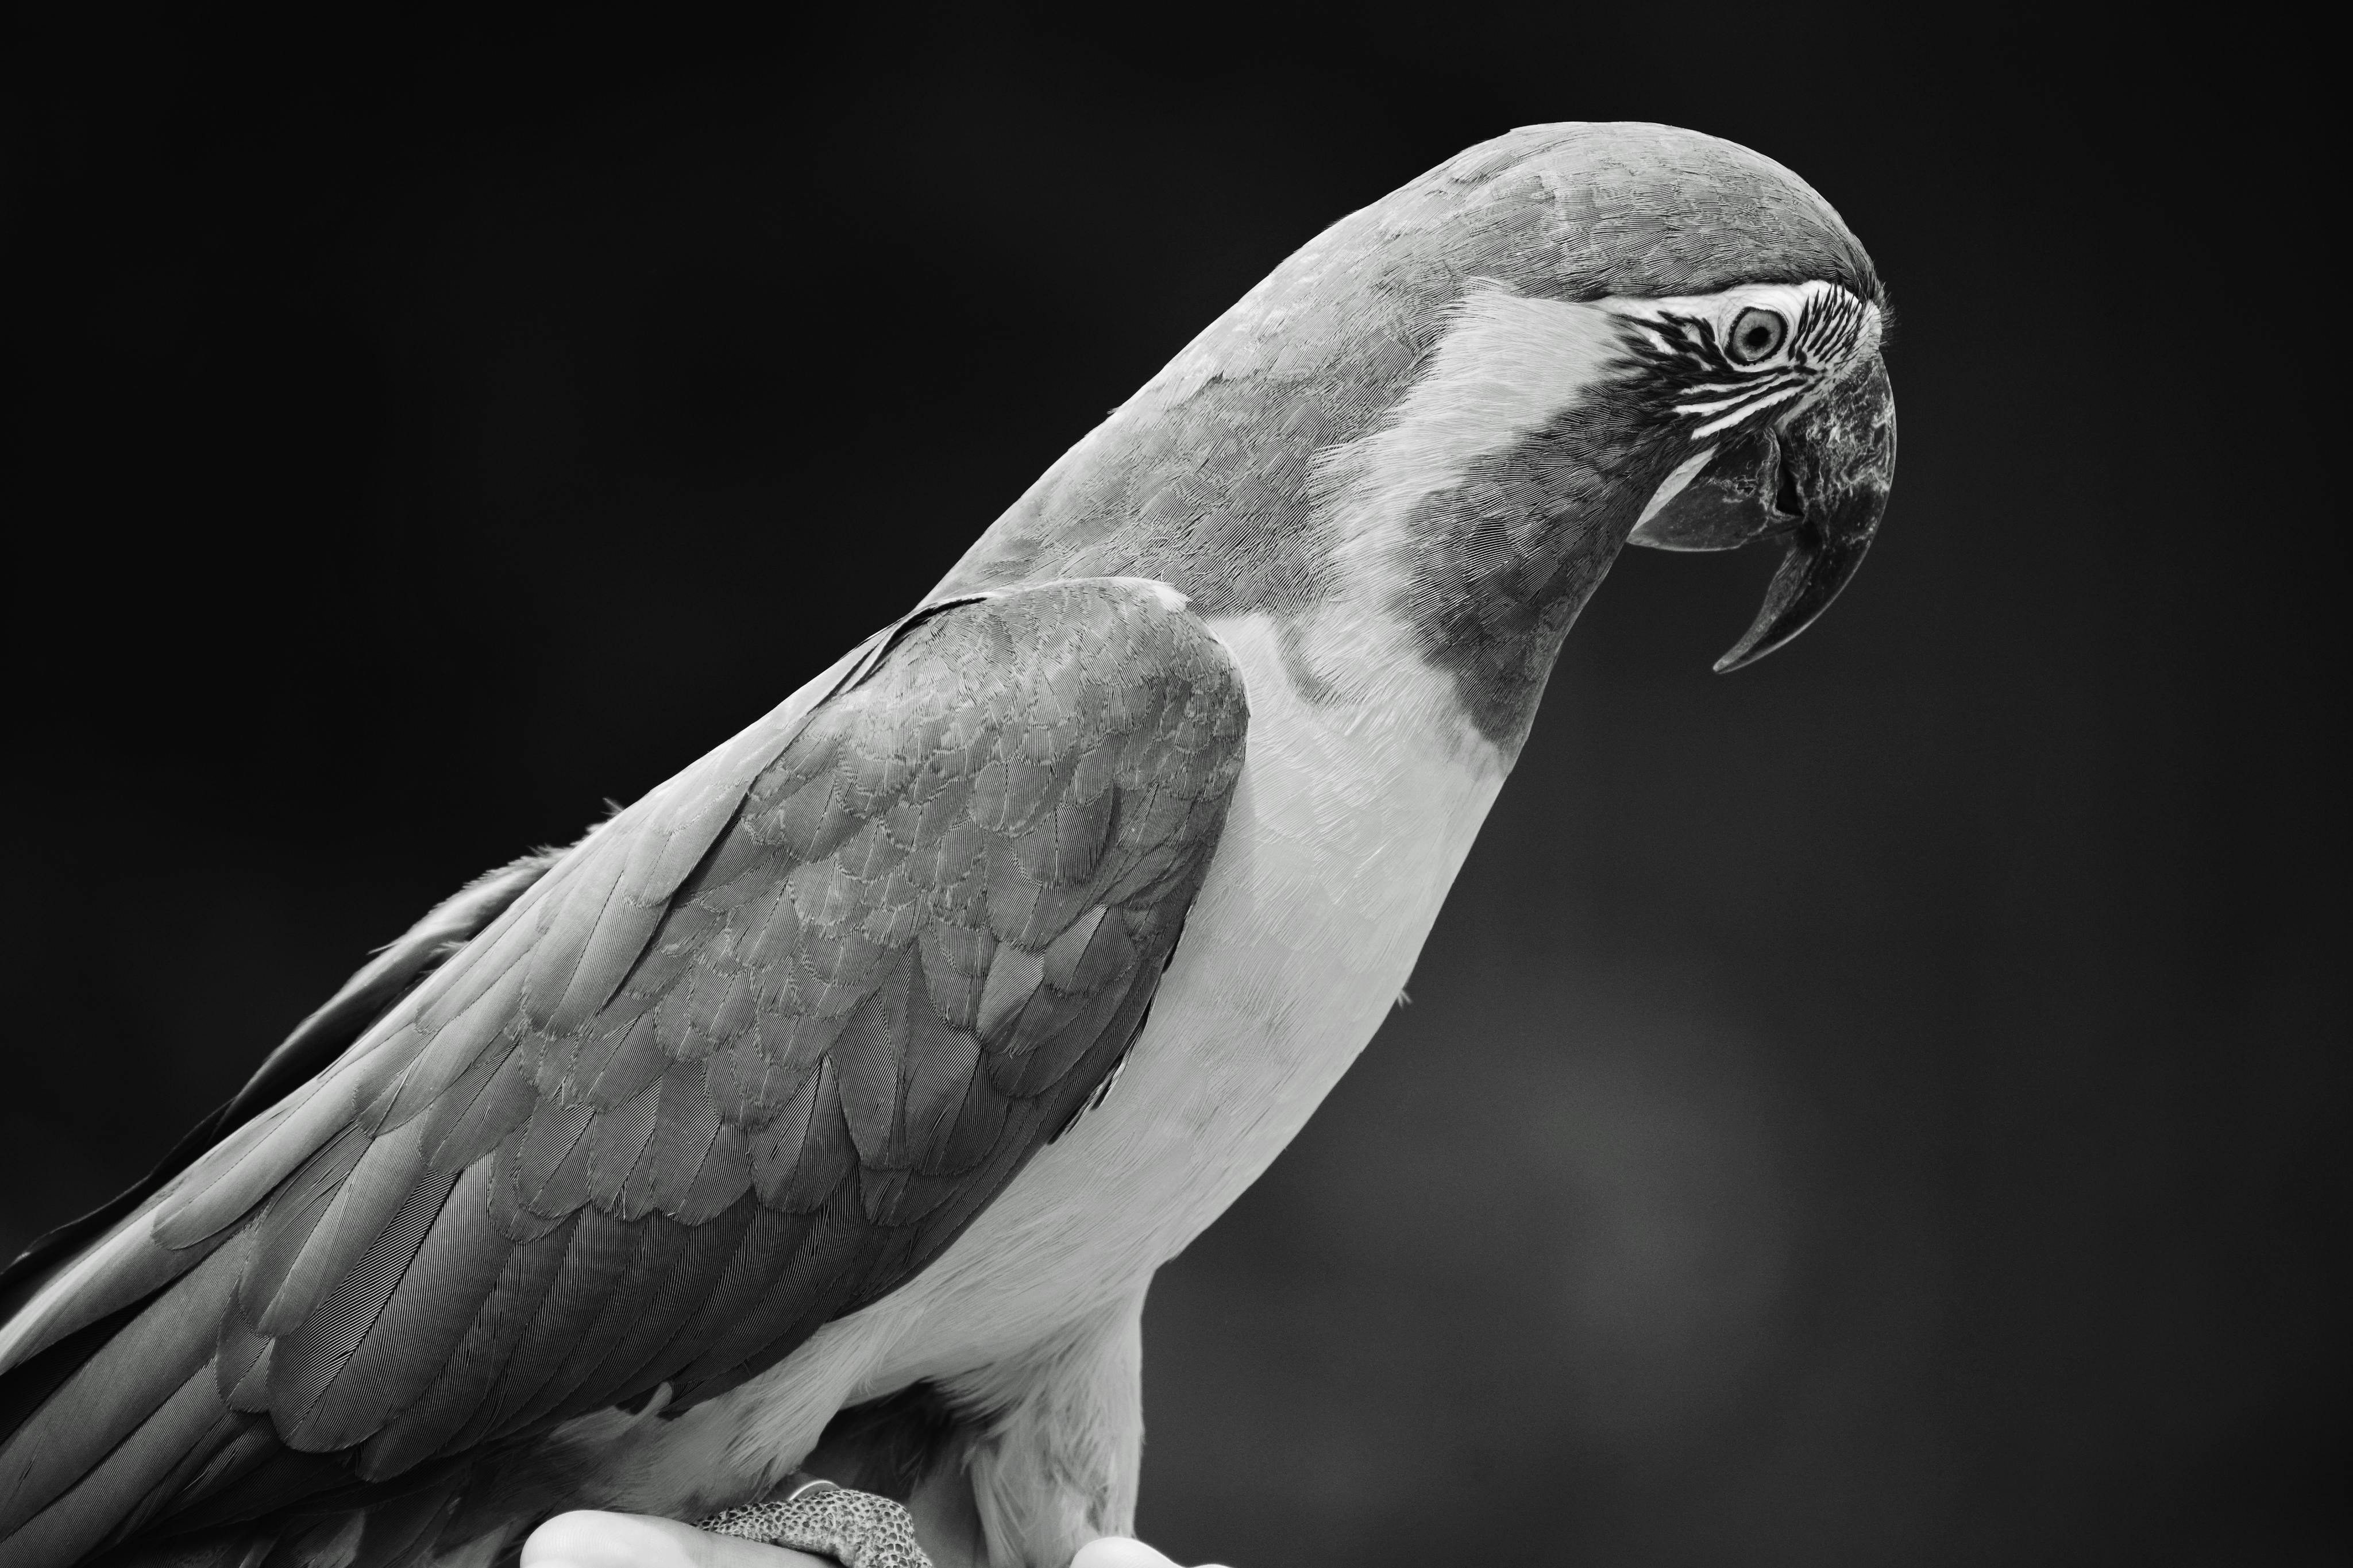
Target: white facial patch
<point>1672,485</point>
<point>1815,308</point>
<point>1505,367</point>
<point>1813,332</point>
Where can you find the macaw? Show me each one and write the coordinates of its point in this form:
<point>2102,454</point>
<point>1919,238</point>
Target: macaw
<point>804,1139</point>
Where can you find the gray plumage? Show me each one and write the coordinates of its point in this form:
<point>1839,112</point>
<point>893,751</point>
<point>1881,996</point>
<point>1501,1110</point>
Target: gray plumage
<point>614,1133</point>
<point>747,1056</point>
<point>1207,483</point>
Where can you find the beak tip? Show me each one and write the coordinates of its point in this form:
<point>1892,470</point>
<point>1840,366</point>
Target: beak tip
<point>1760,641</point>
<point>1845,455</point>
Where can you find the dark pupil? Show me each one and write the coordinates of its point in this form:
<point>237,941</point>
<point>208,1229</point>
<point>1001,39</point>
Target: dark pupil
<point>1755,334</point>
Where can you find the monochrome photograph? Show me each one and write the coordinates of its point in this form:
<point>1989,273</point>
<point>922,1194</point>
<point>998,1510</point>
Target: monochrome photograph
<point>1017,786</point>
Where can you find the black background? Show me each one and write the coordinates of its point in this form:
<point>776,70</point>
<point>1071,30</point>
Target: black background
<point>1884,1107</point>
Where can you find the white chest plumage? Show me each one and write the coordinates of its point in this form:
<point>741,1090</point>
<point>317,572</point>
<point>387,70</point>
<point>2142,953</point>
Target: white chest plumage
<point>1349,824</point>
<point>1363,787</point>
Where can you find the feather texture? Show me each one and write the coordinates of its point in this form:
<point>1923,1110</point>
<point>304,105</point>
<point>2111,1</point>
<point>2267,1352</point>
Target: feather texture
<point>742,1062</point>
<point>315,1043</point>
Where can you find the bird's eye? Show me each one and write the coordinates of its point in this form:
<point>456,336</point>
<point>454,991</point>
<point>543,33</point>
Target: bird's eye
<point>1756,334</point>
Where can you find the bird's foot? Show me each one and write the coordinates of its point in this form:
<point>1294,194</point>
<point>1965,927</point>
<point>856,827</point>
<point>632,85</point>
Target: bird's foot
<point>857,1530</point>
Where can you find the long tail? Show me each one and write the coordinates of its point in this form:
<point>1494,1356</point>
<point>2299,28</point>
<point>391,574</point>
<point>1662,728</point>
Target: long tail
<point>115,1375</point>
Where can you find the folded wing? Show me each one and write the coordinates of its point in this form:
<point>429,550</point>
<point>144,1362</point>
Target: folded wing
<point>742,1062</point>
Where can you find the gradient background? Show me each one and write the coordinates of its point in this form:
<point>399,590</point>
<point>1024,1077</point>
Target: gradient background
<point>1886,1107</point>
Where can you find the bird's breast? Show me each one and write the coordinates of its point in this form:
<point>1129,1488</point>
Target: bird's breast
<point>1352,816</point>
<point>1357,801</point>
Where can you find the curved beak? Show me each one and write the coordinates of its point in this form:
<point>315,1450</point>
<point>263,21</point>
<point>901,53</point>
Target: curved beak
<point>1820,482</point>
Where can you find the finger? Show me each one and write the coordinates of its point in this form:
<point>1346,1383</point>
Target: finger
<point>1120,1552</point>
<point>584,1539</point>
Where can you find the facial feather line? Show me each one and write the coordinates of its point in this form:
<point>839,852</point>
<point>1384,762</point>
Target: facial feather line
<point>1504,366</point>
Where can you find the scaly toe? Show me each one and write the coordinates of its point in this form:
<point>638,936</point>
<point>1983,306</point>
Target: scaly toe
<point>857,1530</point>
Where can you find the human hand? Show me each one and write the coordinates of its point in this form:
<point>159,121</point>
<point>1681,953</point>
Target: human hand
<point>584,1539</point>
<point>1122,1551</point>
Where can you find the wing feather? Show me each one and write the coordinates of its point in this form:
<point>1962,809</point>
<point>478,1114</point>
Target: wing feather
<point>659,1244</point>
<point>744,1060</point>
<point>494,1099</point>
<point>598,1250</point>
<point>288,1225</point>
<point>406,1348</point>
<point>313,1042</point>
<point>469,1399</point>
<point>649,1331</point>
<point>119,1491</point>
<point>376,1188</point>
<point>145,1363</point>
<point>307,1361</point>
<point>456,1387</point>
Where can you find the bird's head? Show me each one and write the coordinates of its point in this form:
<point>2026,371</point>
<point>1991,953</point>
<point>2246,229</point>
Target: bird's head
<point>1451,409</point>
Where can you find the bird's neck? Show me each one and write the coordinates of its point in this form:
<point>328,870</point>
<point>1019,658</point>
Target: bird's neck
<point>1396,506</point>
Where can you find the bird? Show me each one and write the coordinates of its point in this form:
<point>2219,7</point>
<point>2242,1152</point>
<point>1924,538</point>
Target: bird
<point>798,1146</point>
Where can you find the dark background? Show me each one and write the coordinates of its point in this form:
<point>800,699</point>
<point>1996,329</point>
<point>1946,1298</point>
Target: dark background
<point>1885,1106</point>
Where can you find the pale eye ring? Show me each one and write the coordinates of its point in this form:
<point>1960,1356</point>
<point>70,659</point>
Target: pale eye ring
<point>1756,335</point>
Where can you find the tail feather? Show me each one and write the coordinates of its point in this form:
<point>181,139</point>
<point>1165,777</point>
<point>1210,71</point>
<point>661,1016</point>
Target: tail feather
<point>145,1367</point>
<point>144,1471</point>
<point>279,1479</point>
<point>217,1466</point>
<point>111,1497</point>
<point>131,1382</point>
<point>315,1043</point>
<point>402,1530</point>
<point>25,1387</point>
<point>137,1268</point>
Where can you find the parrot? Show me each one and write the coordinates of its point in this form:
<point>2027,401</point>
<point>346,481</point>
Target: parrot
<point>793,1153</point>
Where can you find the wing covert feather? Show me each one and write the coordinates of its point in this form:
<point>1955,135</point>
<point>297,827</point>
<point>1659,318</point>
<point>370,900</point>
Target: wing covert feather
<point>742,1062</point>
